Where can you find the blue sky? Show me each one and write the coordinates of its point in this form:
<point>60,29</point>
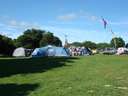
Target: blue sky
<point>79,19</point>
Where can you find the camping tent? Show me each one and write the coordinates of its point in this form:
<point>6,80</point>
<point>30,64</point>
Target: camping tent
<point>122,50</point>
<point>50,51</point>
<point>22,52</point>
<point>60,51</point>
<point>86,51</point>
<point>19,52</point>
<point>39,52</point>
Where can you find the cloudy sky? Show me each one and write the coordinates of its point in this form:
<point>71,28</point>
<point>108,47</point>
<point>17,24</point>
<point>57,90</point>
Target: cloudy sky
<point>80,20</point>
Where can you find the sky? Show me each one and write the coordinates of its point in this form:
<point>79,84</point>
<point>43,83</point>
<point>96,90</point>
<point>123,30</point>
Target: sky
<point>80,20</point>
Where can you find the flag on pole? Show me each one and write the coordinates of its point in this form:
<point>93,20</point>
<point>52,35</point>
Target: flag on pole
<point>104,22</point>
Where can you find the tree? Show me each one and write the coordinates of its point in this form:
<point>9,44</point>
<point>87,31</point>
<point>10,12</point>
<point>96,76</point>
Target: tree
<point>30,38</point>
<point>49,38</point>
<point>77,44</point>
<point>57,41</point>
<point>126,45</point>
<point>34,38</point>
<point>89,44</point>
<point>119,42</point>
<point>6,45</point>
<point>103,45</point>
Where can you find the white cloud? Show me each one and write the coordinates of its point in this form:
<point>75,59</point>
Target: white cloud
<point>14,28</point>
<point>13,22</point>
<point>22,25</point>
<point>8,22</point>
<point>77,15</point>
<point>67,17</point>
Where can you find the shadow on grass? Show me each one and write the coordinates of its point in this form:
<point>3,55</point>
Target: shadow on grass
<point>16,89</point>
<point>10,67</point>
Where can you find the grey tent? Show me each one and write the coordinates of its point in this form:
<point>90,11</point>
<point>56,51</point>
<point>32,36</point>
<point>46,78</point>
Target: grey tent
<point>19,52</point>
<point>22,52</point>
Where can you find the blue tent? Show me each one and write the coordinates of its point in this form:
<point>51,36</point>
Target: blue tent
<point>87,51</point>
<point>50,51</point>
<point>60,51</point>
<point>39,52</point>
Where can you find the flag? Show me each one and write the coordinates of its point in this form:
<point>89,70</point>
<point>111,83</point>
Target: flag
<point>104,22</point>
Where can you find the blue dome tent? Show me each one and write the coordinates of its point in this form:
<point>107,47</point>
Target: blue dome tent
<point>50,51</point>
<point>39,52</point>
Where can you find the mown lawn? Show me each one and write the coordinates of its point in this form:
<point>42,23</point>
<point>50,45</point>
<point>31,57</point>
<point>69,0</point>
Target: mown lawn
<point>96,75</point>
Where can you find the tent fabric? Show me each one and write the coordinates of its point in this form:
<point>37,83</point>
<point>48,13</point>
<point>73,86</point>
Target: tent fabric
<point>60,51</point>
<point>39,52</point>
<point>86,51</point>
<point>19,52</point>
<point>122,50</point>
<point>49,51</point>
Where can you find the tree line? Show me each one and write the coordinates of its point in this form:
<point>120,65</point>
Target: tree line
<point>115,42</point>
<point>31,39</point>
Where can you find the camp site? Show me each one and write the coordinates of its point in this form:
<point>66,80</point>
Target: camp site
<point>63,48</point>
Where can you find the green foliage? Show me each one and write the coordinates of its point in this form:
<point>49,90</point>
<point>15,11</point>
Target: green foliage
<point>49,38</point>
<point>103,45</point>
<point>77,44</point>
<point>89,44</point>
<point>57,41</point>
<point>118,41</point>
<point>30,38</point>
<point>33,38</point>
<point>6,45</point>
<point>126,45</point>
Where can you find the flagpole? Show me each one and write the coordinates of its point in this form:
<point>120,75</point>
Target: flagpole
<point>114,38</point>
<point>110,29</point>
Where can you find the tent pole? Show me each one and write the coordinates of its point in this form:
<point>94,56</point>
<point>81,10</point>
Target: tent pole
<point>114,41</point>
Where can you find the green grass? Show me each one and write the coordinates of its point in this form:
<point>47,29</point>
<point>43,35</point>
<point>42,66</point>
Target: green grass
<point>96,75</point>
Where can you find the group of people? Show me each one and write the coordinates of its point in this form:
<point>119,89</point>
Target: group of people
<point>79,51</point>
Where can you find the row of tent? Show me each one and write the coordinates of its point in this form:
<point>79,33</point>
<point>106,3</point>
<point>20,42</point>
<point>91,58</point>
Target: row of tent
<point>112,51</point>
<point>41,52</point>
<point>44,51</point>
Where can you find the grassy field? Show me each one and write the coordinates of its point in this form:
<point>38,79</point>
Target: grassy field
<point>96,75</point>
